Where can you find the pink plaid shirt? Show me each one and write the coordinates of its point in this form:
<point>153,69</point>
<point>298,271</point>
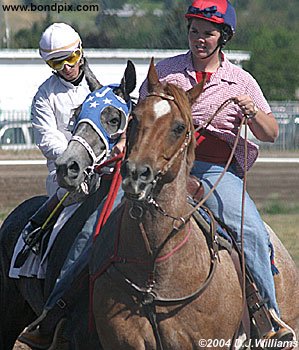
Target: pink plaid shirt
<point>227,82</point>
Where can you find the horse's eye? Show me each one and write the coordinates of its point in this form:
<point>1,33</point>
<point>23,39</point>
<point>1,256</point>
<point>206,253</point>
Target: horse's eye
<point>114,121</point>
<point>179,128</point>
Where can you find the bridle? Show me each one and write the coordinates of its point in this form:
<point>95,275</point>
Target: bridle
<point>93,106</point>
<point>161,173</point>
<point>95,158</point>
<point>148,298</point>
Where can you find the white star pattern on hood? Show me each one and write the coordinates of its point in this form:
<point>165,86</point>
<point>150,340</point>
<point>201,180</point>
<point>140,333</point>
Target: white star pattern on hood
<point>94,104</point>
<point>107,101</point>
<point>90,98</point>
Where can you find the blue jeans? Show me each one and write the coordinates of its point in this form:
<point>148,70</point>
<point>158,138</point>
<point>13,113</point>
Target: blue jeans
<point>78,255</point>
<point>225,203</point>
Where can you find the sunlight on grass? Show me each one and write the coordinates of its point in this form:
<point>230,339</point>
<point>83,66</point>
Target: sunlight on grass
<point>286,228</point>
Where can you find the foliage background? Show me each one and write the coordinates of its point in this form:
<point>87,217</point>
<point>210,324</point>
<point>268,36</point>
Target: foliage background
<point>267,28</point>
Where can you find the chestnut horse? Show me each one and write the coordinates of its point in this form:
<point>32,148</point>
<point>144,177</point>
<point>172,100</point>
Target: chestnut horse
<point>160,289</point>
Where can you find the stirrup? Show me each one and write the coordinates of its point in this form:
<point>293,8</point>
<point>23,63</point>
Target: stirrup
<point>58,340</point>
<point>36,322</point>
<point>280,322</point>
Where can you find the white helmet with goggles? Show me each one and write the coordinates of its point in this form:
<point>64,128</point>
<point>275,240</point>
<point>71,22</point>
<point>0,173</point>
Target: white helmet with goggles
<point>58,42</point>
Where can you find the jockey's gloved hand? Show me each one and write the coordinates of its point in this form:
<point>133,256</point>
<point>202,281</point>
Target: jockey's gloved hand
<point>94,183</point>
<point>40,223</point>
<point>30,235</point>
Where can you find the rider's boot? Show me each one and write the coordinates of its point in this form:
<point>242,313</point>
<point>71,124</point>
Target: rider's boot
<point>282,336</point>
<point>39,218</point>
<point>276,334</point>
<point>47,331</point>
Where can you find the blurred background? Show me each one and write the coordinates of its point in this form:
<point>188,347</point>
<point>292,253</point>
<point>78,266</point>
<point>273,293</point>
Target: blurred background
<point>267,35</point>
<point>266,44</point>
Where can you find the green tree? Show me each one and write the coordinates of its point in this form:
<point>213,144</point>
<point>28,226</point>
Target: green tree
<point>274,62</point>
<point>266,28</point>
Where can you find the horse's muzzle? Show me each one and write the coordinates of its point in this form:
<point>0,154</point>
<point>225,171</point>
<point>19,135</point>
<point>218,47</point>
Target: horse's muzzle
<point>69,173</point>
<point>137,180</point>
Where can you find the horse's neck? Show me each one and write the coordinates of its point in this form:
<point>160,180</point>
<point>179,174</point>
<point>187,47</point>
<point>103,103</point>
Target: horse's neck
<point>182,252</point>
<point>158,224</point>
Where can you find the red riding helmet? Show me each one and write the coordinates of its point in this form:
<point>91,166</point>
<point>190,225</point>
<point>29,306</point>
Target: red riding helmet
<point>217,11</point>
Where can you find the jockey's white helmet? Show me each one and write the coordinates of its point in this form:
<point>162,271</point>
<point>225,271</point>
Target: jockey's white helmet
<point>58,41</point>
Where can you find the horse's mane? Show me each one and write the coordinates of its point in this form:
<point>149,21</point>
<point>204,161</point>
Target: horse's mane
<point>181,99</point>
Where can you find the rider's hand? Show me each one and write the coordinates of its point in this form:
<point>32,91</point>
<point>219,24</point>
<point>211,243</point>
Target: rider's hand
<point>119,147</point>
<point>247,105</point>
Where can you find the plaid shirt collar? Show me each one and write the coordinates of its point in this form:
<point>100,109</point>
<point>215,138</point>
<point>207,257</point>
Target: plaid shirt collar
<point>223,73</point>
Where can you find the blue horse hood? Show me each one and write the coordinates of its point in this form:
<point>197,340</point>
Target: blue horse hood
<point>93,107</point>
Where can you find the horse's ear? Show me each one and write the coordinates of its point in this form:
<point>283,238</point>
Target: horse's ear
<point>128,82</point>
<point>194,92</point>
<point>91,79</point>
<point>152,77</point>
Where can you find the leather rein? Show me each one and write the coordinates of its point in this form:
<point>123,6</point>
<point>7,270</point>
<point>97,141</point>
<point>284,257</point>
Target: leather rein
<point>147,297</point>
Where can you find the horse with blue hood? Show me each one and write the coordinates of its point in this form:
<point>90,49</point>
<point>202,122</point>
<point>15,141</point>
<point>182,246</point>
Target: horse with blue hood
<point>97,127</point>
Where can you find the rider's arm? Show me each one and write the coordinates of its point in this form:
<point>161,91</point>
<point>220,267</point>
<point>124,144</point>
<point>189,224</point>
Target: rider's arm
<point>50,140</point>
<point>263,125</point>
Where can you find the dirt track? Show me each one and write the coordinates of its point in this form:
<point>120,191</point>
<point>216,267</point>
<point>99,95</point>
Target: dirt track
<point>266,182</point>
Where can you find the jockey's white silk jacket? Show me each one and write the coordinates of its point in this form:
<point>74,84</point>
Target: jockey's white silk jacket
<point>51,110</point>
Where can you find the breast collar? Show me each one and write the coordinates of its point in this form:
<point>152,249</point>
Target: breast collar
<point>93,107</point>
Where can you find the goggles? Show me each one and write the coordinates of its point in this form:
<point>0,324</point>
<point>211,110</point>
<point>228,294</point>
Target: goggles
<point>71,60</point>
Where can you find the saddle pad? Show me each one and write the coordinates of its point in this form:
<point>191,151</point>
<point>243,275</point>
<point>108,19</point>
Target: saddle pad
<point>36,265</point>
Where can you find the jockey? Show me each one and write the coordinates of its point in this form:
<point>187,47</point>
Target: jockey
<point>211,24</point>
<point>61,48</point>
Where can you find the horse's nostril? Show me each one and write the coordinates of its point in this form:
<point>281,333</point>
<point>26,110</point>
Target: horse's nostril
<point>145,173</point>
<point>142,173</point>
<point>73,169</point>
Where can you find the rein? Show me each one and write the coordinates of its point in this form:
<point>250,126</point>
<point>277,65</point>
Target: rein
<point>151,201</point>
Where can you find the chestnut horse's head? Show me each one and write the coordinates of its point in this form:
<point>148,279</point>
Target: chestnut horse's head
<point>98,123</point>
<point>161,138</point>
